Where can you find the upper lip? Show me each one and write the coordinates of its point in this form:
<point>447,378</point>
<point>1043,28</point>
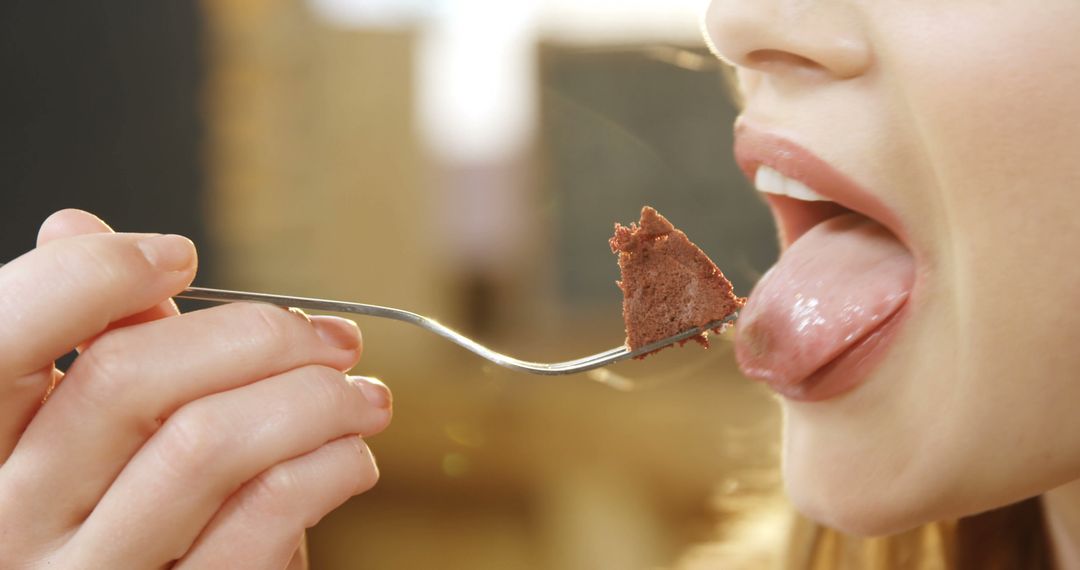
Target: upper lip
<point>755,147</point>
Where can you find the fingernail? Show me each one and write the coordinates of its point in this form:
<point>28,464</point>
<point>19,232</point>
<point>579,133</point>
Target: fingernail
<point>374,391</point>
<point>337,332</point>
<point>169,252</point>
<point>300,313</point>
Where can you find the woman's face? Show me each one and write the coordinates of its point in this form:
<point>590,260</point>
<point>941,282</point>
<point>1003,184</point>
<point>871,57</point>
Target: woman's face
<point>928,346</point>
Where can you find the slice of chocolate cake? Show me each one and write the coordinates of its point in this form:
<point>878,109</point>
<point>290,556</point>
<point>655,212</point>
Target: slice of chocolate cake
<point>669,285</point>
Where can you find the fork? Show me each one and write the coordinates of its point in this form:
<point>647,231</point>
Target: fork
<point>584,364</point>
<point>575,366</point>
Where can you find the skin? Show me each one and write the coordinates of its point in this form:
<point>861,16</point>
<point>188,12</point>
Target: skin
<point>961,116</point>
<point>210,439</point>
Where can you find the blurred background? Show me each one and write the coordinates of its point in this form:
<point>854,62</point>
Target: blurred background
<point>465,159</point>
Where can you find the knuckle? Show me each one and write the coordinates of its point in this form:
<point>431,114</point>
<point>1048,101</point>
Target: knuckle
<point>328,386</point>
<point>98,258</point>
<point>271,327</point>
<point>106,374</point>
<point>275,493</point>
<point>191,440</point>
<point>88,259</point>
<point>105,370</point>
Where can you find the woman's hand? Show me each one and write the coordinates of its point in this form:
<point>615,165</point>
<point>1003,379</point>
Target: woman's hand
<point>209,439</point>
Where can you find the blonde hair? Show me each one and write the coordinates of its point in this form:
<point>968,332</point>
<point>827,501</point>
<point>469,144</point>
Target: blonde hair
<point>768,534</point>
<point>1009,538</point>
<point>815,547</point>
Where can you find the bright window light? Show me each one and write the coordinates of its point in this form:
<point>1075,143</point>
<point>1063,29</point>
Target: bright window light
<point>475,67</point>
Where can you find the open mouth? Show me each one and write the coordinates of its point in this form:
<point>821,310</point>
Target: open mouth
<point>818,316</point>
<point>796,208</point>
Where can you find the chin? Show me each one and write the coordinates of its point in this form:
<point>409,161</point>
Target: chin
<point>880,459</point>
<point>878,492</point>
<point>874,492</point>
<point>861,514</point>
<point>866,485</point>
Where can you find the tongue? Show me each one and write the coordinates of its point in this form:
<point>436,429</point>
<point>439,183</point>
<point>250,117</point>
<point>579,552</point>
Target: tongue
<point>830,289</point>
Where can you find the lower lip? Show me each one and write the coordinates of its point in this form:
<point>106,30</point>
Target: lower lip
<point>849,370</point>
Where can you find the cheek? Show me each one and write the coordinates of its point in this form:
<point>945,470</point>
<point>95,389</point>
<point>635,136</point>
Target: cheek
<point>994,91</point>
<point>994,94</point>
<point>973,410</point>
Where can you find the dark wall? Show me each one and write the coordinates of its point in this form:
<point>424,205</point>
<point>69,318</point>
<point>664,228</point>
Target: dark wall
<point>99,109</point>
<point>623,129</point>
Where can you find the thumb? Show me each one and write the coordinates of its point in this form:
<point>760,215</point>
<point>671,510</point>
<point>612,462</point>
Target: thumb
<point>73,222</point>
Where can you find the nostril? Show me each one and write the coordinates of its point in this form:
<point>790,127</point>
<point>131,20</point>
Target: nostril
<point>773,59</point>
<point>818,39</point>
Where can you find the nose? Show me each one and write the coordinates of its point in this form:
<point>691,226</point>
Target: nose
<point>790,36</point>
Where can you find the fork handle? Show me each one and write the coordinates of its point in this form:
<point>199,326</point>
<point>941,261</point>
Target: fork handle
<point>227,296</point>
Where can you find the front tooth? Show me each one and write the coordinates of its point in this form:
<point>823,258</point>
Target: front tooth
<point>801,191</point>
<point>771,181</point>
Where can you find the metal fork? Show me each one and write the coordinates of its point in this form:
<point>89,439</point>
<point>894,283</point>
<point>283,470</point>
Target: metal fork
<point>584,364</point>
<point>587,363</point>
